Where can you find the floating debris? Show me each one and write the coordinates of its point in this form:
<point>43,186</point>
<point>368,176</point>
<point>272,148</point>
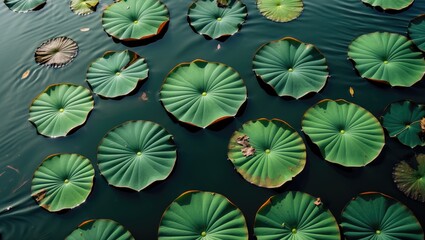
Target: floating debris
<point>25,74</point>
<point>85,29</point>
<point>351,90</point>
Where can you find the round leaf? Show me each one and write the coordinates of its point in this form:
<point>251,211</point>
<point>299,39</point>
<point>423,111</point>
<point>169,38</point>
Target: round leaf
<point>416,31</point>
<point>280,10</point>
<point>100,229</point>
<point>83,7</point>
<point>410,179</point>
<point>389,4</point>
<point>23,6</point>
<point>56,52</point>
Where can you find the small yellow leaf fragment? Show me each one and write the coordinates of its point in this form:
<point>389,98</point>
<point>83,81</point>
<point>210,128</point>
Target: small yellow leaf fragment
<point>423,125</point>
<point>25,74</point>
<point>84,29</point>
<point>351,90</point>
<point>318,202</point>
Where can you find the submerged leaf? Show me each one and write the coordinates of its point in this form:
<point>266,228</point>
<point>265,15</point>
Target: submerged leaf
<point>416,31</point>
<point>411,179</point>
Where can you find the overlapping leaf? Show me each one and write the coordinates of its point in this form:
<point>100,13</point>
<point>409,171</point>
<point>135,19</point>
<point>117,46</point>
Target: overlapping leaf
<point>416,31</point>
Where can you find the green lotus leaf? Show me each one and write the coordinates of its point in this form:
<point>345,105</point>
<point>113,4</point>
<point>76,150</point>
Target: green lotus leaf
<point>135,154</point>
<point>416,31</point>
<point>116,73</point>
<point>280,10</point>
<point>62,181</point>
<point>374,215</point>
<point>60,108</point>
<point>100,229</point>
<point>389,4</point>
<point>83,7</point>
<point>410,179</point>
<point>403,120</point>
<point>56,52</point>
<point>202,215</point>
<point>387,57</point>
<point>295,216</point>
<point>207,18</point>
<point>201,93</point>
<point>129,20</point>
<point>290,67</point>
<point>278,152</point>
<point>345,133</point>
<point>23,6</point>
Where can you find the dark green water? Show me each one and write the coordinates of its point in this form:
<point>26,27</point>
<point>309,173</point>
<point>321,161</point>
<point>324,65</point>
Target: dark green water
<point>329,24</point>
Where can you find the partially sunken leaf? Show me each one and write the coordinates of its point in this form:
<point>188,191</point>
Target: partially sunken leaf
<point>201,93</point>
<point>83,7</point>
<point>267,153</point>
<point>280,10</point>
<point>23,6</point>
<point>60,108</point>
<point>387,57</point>
<point>416,31</point>
<point>135,19</point>
<point>345,133</point>
<point>389,4</point>
<point>295,216</point>
<point>410,179</point>
<point>403,120</point>
<point>116,73</point>
<point>62,181</point>
<point>377,216</point>
<point>135,154</point>
<point>100,229</point>
<point>56,52</point>
<point>197,215</point>
<point>215,20</point>
<point>290,67</point>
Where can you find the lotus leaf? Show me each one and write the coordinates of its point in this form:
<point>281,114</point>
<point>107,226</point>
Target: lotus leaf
<point>100,229</point>
<point>56,52</point>
<point>135,154</point>
<point>60,108</point>
<point>202,215</point>
<point>277,154</point>
<point>23,6</point>
<point>416,31</point>
<point>374,215</point>
<point>135,19</point>
<point>403,120</point>
<point>83,7</point>
<point>345,133</point>
<point>389,4</point>
<point>295,216</point>
<point>280,10</point>
<point>207,18</point>
<point>201,93</point>
<point>387,57</point>
<point>62,181</point>
<point>290,67</point>
<point>411,179</point>
<point>116,73</point>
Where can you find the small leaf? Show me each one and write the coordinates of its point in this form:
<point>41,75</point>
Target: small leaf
<point>318,202</point>
<point>351,90</point>
<point>25,74</point>
<point>84,29</point>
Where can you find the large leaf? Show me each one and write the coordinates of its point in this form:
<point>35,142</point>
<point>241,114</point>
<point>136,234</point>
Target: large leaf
<point>403,120</point>
<point>116,73</point>
<point>295,216</point>
<point>207,18</point>
<point>201,93</point>
<point>24,5</point>
<point>100,229</point>
<point>376,216</point>
<point>276,152</point>
<point>387,57</point>
<point>416,31</point>
<point>197,215</point>
<point>290,67</point>
<point>280,10</point>
<point>56,52</point>
<point>60,108</point>
<point>389,4</point>
<point>135,154</point>
<point>62,181</point>
<point>83,7</point>
<point>345,133</point>
<point>135,19</point>
<point>410,179</point>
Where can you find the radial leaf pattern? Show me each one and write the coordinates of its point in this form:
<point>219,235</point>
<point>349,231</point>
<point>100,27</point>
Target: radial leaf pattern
<point>56,52</point>
<point>23,6</point>
<point>83,7</point>
<point>100,229</point>
<point>280,10</point>
<point>410,179</point>
<point>389,4</point>
<point>416,31</point>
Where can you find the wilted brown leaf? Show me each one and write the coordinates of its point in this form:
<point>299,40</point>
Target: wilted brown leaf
<point>40,195</point>
<point>318,202</point>
<point>243,140</point>
<point>248,151</point>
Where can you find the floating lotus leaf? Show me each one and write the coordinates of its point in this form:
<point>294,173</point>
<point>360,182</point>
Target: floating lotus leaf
<point>295,216</point>
<point>135,19</point>
<point>100,229</point>
<point>135,154</point>
<point>411,179</point>
<point>116,73</point>
<point>387,57</point>
<point>279,152</point>
<point>56,52</point>
<point>389,4</point>
<point>202,215</point>
<point>280,10</point>
<point>290,67</point>
<point>416,31</point>
<point>62,181</point>
<point>60,108</point>
<point>403,120</point>
<point>377,216</point>
<point>23,6</point>
<point>345,133</point>
<point>201,93</point>
<point>207,18</point>
<point>83,7</point>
